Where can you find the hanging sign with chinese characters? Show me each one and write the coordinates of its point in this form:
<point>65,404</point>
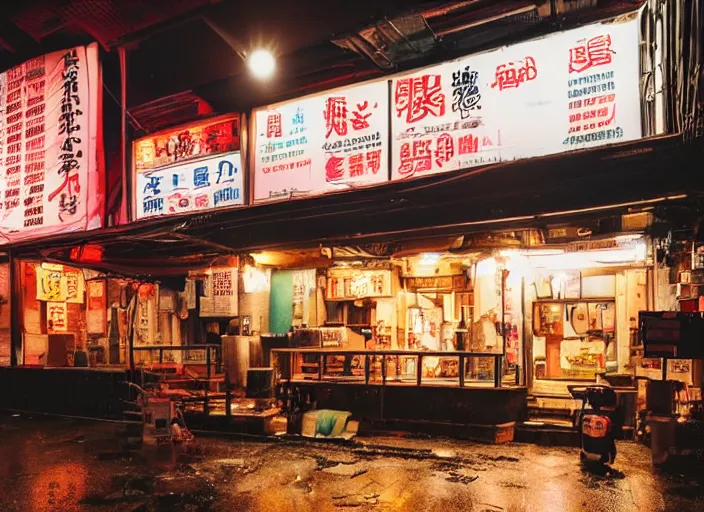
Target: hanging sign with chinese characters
<point>50,181</point>
<point>333,141</point>
<point>572,90</point>
<point>56,317</point>
<point>215,182</point>
<point>177,145</point>
<point>221,299</point>
<point>96,310</point>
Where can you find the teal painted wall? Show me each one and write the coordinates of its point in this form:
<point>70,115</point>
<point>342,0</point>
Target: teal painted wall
<point>281,301</point>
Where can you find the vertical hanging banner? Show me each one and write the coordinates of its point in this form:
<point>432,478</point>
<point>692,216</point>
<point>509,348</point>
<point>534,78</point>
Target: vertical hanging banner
<point>571,90</point>
<point>96,307</point>
<point>50,178</point>
<point>331,141</point>
<point>56,317</point>
<point>189,169</point>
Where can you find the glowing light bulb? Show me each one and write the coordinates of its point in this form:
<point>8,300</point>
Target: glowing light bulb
<point>261,63</point>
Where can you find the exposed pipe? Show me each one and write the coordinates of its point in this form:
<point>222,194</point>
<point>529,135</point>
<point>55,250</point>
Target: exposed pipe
<point>484,21</point>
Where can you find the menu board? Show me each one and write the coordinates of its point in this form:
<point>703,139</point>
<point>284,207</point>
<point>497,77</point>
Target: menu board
<point>178,145</point>
<point>214,182</point>
<point>332,141</point>
<point>50,181</point>
<point>571,90</point>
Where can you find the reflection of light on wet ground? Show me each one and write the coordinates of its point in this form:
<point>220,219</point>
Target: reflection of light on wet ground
<point>58,486</point>
<point>64,466</point>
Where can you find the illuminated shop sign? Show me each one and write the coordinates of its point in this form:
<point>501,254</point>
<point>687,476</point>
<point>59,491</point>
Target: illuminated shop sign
<point>327,142</point>
<point>567,91</point>
<point>190,142</point>
<point>50,181</point>
<point>350,284</point>
<point>215,182</point>
<point>572,90</point>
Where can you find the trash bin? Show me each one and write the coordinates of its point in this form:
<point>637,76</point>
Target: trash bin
<point>662,437</point>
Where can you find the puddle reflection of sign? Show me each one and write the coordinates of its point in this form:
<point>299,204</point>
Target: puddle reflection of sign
<point>56,317</point>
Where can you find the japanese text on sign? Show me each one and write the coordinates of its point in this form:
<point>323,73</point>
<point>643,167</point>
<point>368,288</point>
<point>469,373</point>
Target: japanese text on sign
<point>322,143</point>
<point>505,104</point>
<point>195,186</point>
<point>221,300</point>
<point>215,136</point>
<point>47,145</point>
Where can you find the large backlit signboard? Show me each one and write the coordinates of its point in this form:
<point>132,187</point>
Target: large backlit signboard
<point>337,140</point>
<point>571,90</point>
<point>50,178</point>
<point>214,182</point>
<point>189,168</point>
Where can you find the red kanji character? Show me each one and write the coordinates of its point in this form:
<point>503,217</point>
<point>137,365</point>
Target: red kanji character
<point>273,126</point>
<point>374,161</point>
<point>468,144</point>
<point>417,160</point>
<point>445,149</point>
<point>201,201</point>
<point>359,120</point>
<point>419,96</point>
<point>486,141</point>
<point>599,49</point>
<point>333,169</point>
<point>356,163</point>
<point>336,116</point>
<point>71,181</point>
<point>596,52</point>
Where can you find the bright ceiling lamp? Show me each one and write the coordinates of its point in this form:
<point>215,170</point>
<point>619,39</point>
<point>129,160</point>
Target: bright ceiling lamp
<point>261,64</point>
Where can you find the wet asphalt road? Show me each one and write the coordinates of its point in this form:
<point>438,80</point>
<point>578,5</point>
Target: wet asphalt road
<point>68,465</point>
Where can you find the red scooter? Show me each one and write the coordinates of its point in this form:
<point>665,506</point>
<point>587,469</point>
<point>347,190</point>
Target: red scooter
<point>595,422</point>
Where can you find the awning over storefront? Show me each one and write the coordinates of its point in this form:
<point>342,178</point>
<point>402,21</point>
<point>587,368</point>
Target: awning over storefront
<point>651,175</point>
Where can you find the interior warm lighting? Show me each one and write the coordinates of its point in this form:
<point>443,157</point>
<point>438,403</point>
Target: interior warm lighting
<point>256,280</point>
<point>634,253</point>
<point>261,64</point>
<point>486,267</point>
<point>429,259</point>
<point>262,258</point>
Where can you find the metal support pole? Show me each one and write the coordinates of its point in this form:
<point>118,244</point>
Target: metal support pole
<point>497,371</point>
<point>207,382</point>
<point>124,145</point>
<point>228,395</point>
<point>15,310</point>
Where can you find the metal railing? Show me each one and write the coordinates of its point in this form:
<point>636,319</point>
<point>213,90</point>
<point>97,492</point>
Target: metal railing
<point>376,366</point>
<point>208,348</point>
